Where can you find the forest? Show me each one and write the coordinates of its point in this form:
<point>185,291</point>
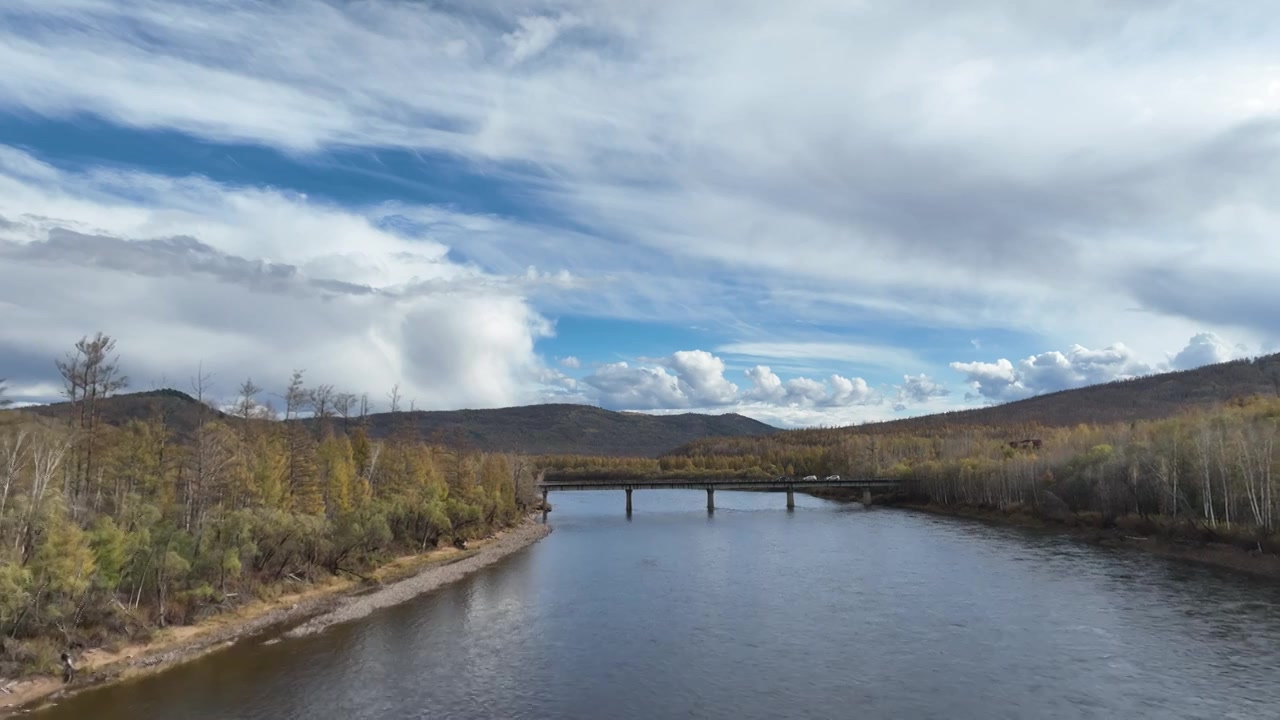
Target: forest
<point>1210,472</point>
<point>108,532</point>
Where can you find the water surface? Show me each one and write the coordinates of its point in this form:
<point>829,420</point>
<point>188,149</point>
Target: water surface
<point>830,611</point>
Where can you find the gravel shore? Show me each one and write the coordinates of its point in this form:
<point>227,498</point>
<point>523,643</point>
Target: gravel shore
<point>356,607</point>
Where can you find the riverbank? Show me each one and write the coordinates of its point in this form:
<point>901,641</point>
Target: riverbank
<point>1173,545</point>
<point>316,607</point>
<point>356,607</point>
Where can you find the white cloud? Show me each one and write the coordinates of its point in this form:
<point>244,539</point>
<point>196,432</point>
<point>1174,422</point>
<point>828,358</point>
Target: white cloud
<point>183,271</point>
<point>622,386</point>
<point>1204,349</point>
<point>570,362</point>
<point>695,379</point>
<point>919,389</point>
<point>766,387</point>
<point>703,374</point>
<point>889,160</point>
<point>773,166</point>
<point>1051,371</point>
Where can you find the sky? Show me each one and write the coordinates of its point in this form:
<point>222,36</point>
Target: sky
<point>812,212</point>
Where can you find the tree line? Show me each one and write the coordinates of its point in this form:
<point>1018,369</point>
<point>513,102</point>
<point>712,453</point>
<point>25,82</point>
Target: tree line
<point>1213,471</point>
<point>108,532</point>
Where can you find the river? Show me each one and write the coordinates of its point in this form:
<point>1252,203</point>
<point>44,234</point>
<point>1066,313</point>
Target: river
<point>828,611</point>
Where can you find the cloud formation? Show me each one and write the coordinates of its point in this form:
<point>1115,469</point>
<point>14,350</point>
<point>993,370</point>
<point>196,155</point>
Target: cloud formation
<point>695,379</point>
<point>858,179</point>
<point>883,160</point>
<point>1003,381</point>
<point>187,271</point>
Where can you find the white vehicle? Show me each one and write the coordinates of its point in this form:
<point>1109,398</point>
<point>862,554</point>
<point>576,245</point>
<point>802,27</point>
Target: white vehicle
<point>810,477</point>
<point>831,477</point>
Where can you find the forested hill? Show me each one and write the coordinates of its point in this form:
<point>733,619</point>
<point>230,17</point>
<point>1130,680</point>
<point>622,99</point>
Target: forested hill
<point>568,429</point>
<point>1151,397</point>
<point>533,429</point>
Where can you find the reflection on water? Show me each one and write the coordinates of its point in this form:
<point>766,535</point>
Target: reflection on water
<point>757,612</point>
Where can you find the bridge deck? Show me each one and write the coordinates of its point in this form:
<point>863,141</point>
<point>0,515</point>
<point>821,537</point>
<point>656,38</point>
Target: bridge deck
<point>778,484</point>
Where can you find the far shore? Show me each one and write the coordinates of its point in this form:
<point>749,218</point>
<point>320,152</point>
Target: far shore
<point>316,608</point>
<point>1211,554</point>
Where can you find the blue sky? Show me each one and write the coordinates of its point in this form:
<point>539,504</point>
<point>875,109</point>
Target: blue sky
<point>811,213</point>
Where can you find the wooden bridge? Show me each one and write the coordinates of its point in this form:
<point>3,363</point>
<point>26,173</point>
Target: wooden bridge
<point>568,481</point>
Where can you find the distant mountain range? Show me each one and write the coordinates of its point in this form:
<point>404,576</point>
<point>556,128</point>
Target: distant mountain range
<point>587,430</point>
<point>534,429</point>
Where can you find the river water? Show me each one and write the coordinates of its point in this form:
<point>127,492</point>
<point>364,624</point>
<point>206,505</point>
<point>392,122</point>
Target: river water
<point>828,611</point>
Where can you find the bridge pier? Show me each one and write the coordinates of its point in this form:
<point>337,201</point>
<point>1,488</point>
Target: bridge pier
<point>791,499</point>
<point>711,499</point>
<point>866,497</point>
<point>628,501</point>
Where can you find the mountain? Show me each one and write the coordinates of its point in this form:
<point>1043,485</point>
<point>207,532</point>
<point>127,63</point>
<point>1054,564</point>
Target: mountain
<point>1150,397</point>
<point>567,429</point>
<point>533,429</point>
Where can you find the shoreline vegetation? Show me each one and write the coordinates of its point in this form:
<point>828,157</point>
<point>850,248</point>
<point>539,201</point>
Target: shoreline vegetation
<point>308,611</point>
<point>1204,483</point>
<point>117,535</point>
<point>1186,543</point>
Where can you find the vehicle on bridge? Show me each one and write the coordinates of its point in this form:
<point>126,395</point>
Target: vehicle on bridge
<point>807,478</point>
<point>831,477</point>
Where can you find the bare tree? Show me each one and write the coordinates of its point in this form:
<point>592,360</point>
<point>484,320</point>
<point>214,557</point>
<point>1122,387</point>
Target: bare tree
<point>295,396</point>
<point>201,468</point>
<point>364,407</point>
<point>394,396</point>
<point>343,403</point>
<point>247,401</point>
<point>46,457</point>
<point>89,374</point>
<point>4,401</point>
<point>13,459</point>
<point>322,399</point>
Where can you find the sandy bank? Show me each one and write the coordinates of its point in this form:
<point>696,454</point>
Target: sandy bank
<point>356,607</point>
<point>320,606</point>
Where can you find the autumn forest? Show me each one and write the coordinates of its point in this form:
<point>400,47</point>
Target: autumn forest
<point>108,532</point>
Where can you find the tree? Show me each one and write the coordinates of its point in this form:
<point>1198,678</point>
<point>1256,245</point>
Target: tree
<point>89,374</point>
<point>13,459</point>
<point>4,391</point>
<point>394,398</point>
<point>337,473</point>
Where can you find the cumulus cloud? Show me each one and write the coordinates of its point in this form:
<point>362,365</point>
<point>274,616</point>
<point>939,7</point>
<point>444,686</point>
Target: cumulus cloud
<point>688,378</point>
<point>1203,349</point>
<point>623,386</point>
<point>919,389</point>
<point>1002,380</point>
<point>703,375</point>
<point>570,362</point>
<point>183,271</point>
<point>695,379</point>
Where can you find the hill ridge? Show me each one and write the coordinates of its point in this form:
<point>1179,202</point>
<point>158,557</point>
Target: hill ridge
<point>545,429</point>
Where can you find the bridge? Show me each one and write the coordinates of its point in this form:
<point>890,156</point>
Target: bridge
<point>569,482</point>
